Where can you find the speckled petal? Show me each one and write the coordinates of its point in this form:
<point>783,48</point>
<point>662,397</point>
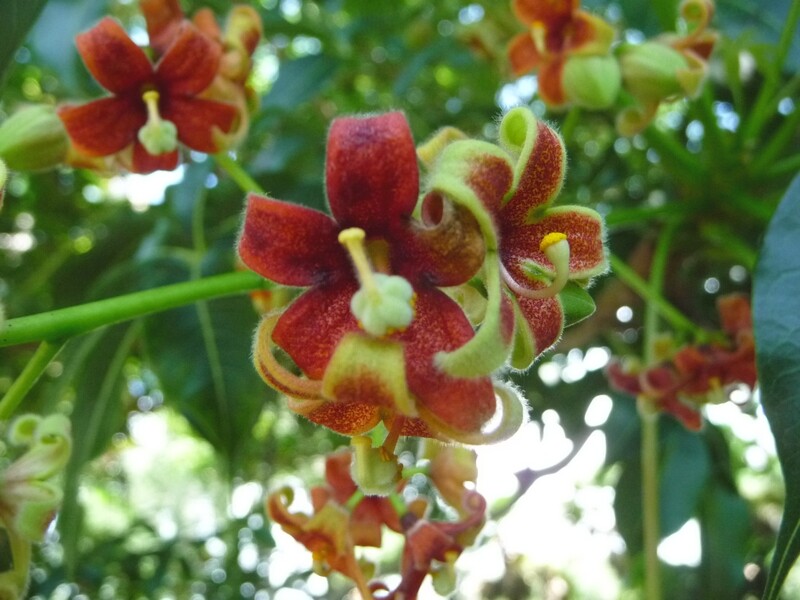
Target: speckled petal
<point>372,177</point>
<point>290,244</point>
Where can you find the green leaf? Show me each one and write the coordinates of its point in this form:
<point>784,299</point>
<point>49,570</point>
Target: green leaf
<point>95,368</point>
<point>577,302</point>
<point>299,81</point>
<point>777,331</point>
<point>201,357</point>
<point>726,543</point>
<point>16,18</point>
<point>685,468</point>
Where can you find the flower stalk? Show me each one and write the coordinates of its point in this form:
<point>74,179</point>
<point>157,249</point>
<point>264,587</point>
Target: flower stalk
<point>76,320</point>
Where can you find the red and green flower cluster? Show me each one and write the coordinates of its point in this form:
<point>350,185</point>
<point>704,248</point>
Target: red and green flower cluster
<point>378,334</point>
<point>577,62</point>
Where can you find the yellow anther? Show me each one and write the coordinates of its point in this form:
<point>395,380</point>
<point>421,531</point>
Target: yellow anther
<point>555,247</point>
<point>150,98</point>
<point>539,34</point>
<point>550,239</point>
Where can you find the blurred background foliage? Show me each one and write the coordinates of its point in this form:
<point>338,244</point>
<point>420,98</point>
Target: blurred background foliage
<point>176,437</point>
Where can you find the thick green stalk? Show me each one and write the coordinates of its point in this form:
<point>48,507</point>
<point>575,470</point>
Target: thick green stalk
<point>237,173</point>
<point>76,320</point>
<point>44,354</point>
<point>651,519</point>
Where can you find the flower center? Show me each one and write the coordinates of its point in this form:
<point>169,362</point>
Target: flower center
<point>385,303</point>
<point>555,247</point>
<point>157,135</point>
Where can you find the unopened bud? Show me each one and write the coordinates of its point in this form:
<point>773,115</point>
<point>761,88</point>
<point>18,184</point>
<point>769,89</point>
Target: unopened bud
<point>375,471</point>
<point>32,139</point>
<point>591,82</point>
<point>652,71</point>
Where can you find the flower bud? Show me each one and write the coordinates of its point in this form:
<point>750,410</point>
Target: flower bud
<point>31,139</point>
<point>591,82</point>
<point>375,471</point>
<point>653,71</point>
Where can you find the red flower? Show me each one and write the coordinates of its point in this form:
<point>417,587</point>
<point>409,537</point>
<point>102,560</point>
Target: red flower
<point>558,30</point>
<point>371,512</point>
<point>147,94</point>
<point>433,546</point>
<point>354,379</point>
<point>696,374</point>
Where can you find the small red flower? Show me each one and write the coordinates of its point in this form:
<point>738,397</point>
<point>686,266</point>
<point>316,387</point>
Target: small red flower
<point>145,93</point>
<point>528,217</point>
<point>696,373</point>
<point>558,29</point>
<point>435,545</point>
<point>372,185</point>
<point>371,512</point>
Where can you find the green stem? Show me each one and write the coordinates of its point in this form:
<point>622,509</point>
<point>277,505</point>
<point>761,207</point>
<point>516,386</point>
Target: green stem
<point>650,502</point>
<point>649,419</point>
<point>569,123</point>
<point>787,35</point>
<point>666,310</point>
<point>237,173</point>
<point>77,320</point>
<point>682,163</point>
<point>44,354</point>
<point>787,166</point>
<point>642,214</point>
<point>779,140</point>
<point>206,323</point>
<point>767,98</point>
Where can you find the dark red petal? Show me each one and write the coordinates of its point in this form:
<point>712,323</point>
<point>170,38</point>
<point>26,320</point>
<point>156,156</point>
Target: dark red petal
<point>290,244</point>
<point>144,162</point>
<point>189,64</point>
<point>350,417</point>
<point>313,325</point>
<point>545,317</point>
<point>548,12</point>
<point>444,255</point>
<point>113,59</point>
<point>440,325</point>
<point>104,126</point>
<point>163,18</point>
<point>371,175</point>
<point>197,118</point>
<point>540,181</point>
<point>522,54</point>
<point>584,231</point>
<point>550,89</point>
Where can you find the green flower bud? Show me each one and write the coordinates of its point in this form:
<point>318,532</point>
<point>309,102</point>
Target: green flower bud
<point>591,82</point>
<point>31,139</point>
<point>375,471</point>
<point>653,71</point>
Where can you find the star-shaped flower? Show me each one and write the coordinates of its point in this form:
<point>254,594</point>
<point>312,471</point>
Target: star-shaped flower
<point>152,107</point>
<point>558,30</point>
<point>355,378</point>
<point>535,248</point>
